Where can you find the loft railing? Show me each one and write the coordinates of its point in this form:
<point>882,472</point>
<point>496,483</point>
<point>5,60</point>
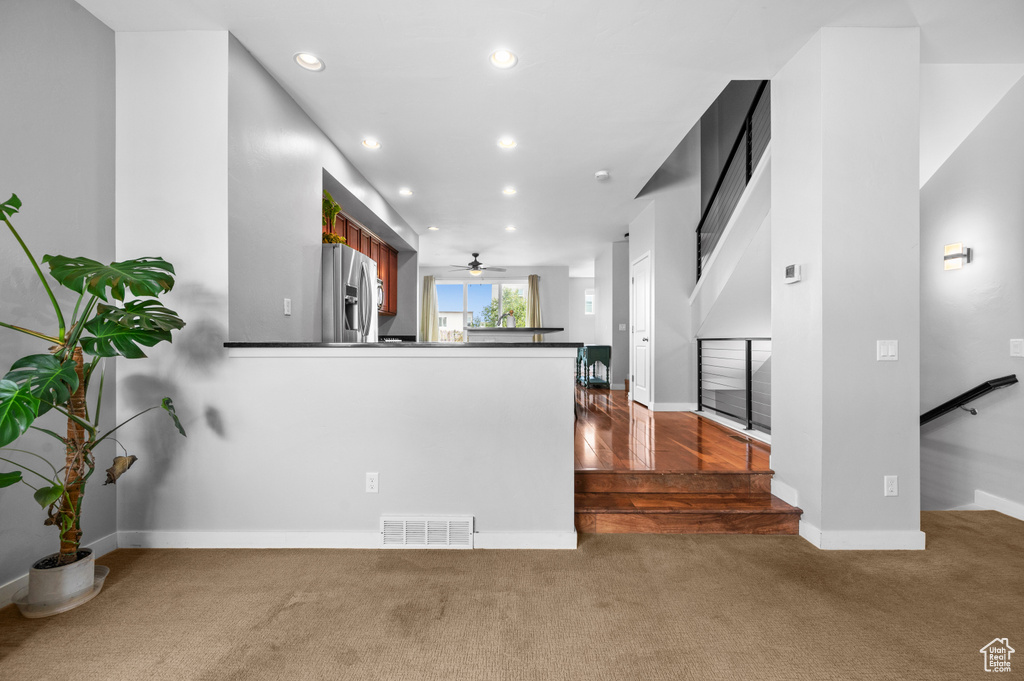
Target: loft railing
<point>963,399</point>
<point>739,166</point>
<point>734,379</point>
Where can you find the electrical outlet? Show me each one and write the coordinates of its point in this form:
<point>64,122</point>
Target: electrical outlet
<point>287,307</point>
<point>372,483</point>
<point>622,327</point>
<point>892,487</point>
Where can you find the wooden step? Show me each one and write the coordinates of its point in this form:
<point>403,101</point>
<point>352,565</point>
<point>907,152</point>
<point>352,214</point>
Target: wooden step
<point>721,513</point>
<point>690,482</point>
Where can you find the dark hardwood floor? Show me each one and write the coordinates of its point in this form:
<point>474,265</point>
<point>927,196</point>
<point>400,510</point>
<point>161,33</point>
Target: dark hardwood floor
<point>670,472</point>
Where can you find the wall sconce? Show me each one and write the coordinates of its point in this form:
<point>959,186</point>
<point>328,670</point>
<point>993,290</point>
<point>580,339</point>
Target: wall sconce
<point>955,257</point>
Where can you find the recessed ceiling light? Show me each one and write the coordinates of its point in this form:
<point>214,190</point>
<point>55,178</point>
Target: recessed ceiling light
<point>508,191</point>
<point>371,143</point>
<point>308,61</point>
<point>510,228</point>
<point>433,229</point>
<point>405,191</point>
<point>503,59</point>
<point>507,143</point>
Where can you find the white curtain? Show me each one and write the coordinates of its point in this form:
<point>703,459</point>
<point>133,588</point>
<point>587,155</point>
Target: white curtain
<point>429,331</point>
<point>533,306</point>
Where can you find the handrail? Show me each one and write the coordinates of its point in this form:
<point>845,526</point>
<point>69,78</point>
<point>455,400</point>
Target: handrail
<point>969,396</point>
<point>744,139</point>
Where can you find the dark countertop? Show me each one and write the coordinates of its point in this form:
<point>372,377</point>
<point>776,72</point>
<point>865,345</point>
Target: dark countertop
<point>292,344</point>
<point>520,329</point>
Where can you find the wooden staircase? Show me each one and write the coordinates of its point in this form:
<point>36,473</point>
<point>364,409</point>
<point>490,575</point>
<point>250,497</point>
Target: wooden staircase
<point>681,503</point>
<point>670,472</point>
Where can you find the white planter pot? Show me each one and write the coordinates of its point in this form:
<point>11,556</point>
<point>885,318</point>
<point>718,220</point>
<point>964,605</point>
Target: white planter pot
<point>59,589</point>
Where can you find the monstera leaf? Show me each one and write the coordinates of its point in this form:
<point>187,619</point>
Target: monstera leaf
<point>52,382</point>
<point>18,409</point>
<point>145,315</point>
<point>110,339</point>
<point>169,408</point>
<point>142,276</point>
<point>45,496</point>
<point>10,206</point>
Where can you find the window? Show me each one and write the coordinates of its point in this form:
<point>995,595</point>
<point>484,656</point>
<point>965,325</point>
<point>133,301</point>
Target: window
<point>588,301</point>
<point>466,304</point>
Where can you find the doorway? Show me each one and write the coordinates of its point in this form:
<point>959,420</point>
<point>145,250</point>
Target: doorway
<point>640,330</point>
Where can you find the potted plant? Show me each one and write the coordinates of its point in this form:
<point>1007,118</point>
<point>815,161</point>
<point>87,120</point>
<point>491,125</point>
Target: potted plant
<point>331,211</point>
<point>57,382</point>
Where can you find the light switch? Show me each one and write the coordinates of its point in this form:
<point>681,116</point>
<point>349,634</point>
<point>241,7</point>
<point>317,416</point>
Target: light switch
<point>888,350</point>
<point>622,327</point>
<point>1017,347</point>
<point>287,307</point>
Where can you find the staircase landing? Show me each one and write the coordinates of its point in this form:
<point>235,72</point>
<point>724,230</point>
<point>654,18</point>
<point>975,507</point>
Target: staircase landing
<point>670,472</point>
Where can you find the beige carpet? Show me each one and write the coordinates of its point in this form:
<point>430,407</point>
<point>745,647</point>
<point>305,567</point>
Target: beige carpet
<point>620,607</point>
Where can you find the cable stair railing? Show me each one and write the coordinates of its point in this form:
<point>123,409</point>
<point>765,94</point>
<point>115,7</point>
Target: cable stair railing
<point>750,144</point>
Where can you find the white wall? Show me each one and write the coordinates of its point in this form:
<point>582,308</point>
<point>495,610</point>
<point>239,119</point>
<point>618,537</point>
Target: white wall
<point>620,313</point>
<point>605,296</point>
<point>611,281</point>
<point>561,297</point>
<point>57,137</point>
<point>277,159</point>
<point>969,315</point>
<point>172,199</point>
<point>666,229</point>
<point>845,170</point>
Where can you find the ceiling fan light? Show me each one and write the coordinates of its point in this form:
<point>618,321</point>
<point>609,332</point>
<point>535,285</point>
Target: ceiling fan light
<point>476,273</point>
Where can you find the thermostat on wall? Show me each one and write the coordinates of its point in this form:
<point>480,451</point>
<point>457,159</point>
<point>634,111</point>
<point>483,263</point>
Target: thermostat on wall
<point>792,274</point>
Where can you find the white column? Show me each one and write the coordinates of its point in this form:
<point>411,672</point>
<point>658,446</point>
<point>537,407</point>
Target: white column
<point>845,139</point>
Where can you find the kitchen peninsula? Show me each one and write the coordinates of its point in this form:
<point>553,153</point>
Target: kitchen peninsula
<point>502,334</point>
<point>480,429</point>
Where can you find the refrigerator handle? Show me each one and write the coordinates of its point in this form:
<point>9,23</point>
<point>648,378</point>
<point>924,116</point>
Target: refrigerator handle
<point>364,303</point>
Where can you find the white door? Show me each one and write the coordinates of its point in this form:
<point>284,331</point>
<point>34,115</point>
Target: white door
<point>640,327</point>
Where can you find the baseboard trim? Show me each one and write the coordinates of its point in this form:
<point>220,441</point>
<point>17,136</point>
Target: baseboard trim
<point>524,540</point>
<point>871,540</point>
<point>618,386</point>
<point>673,406</point>
<point>785,492</point>
<point>810,533</point>
<point>100,547</point>
<point>734,425</point>
<point>160,539</point>
<point>991,502</point>
<point>325,540</point>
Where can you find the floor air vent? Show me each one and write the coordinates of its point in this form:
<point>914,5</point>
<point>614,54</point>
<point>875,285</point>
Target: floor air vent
<point>426,532</point>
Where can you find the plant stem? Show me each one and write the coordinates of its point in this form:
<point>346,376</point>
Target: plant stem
<point>39,272</point>
<point>32,333</point>
<point>111,431</point>
<point>56,473</point>
<point>26,468</point>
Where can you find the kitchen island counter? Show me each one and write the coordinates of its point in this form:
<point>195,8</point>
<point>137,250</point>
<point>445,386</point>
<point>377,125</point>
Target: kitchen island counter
<point>451,429</point>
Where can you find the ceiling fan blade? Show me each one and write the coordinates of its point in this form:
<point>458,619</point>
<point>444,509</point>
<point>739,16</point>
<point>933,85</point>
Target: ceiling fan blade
<point>493,269</point>
<point>458,267</point>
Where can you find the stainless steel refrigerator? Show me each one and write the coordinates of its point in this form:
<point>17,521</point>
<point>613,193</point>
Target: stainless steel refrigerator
<point>349,287</point>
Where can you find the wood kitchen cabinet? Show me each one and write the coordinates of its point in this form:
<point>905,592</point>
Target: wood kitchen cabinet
<point>367,243</point>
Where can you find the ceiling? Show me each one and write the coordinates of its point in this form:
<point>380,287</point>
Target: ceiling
<point>600,84</point>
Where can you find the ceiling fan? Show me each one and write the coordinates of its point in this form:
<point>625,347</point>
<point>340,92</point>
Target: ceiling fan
<point>476,268</point>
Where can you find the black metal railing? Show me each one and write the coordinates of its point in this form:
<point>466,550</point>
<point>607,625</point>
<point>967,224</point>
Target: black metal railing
<point>739,166</point>
<point>734,379</point>
<point>962,399</point>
